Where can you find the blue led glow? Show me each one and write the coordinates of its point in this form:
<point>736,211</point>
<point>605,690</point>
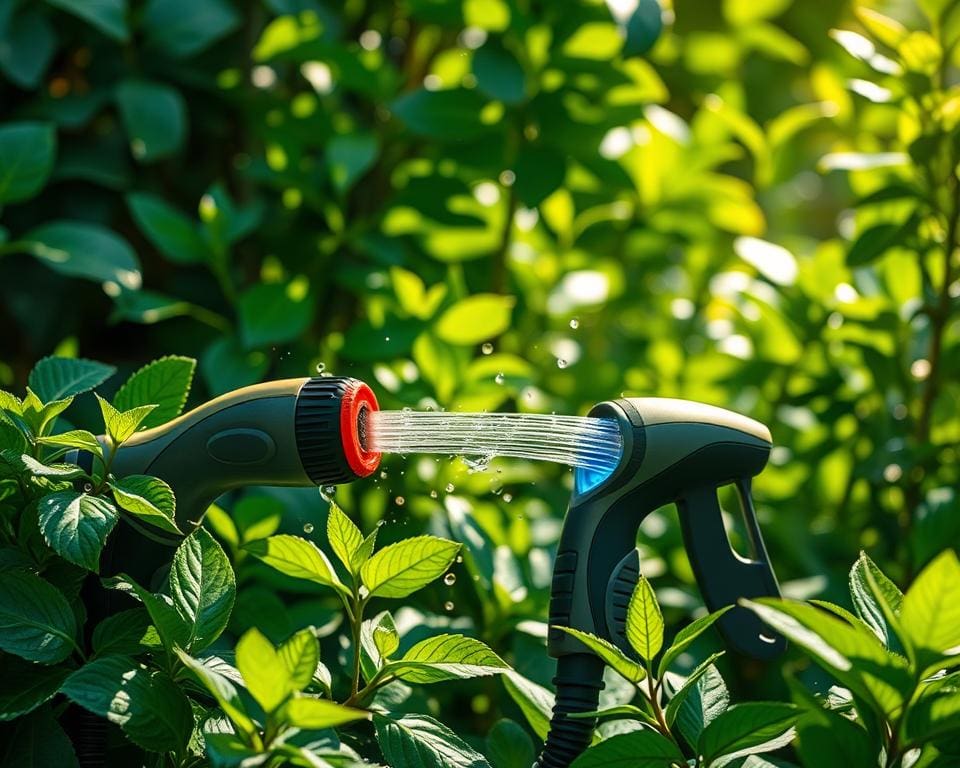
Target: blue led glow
<point>585,479</point>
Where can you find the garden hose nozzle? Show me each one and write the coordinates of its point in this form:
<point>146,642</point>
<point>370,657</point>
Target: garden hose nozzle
<point>674,451</point>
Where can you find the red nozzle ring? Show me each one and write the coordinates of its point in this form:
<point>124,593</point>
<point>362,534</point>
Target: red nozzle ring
<point>357,400</point>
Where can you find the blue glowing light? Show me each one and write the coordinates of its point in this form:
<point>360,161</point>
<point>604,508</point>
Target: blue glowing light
<point>585,479</point>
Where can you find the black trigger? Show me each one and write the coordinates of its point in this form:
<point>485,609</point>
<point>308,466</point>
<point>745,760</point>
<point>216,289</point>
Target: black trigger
<point>623,581</point>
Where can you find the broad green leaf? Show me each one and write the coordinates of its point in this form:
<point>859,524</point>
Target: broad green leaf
<point>172,233</point>
<point>27,152</point>
<point>344,536</point>
<point>313,713</point>
<point>446,657</point>
<point>223,691</point>
<point>296,557</point>
<point>740,15</point>
<point>90,251</point>
<point>55,378</point>
<point>109,16</point>
<point>747,729</point>
<point>148,498</point>
<point>28,47</point>
<point>644,621</point>
<point>264,674</point>
<point>685,638</point>
<point>76,525</point>
<point>227,750</point>
<point>611,655</point>
<point>639,749</point>
<point>26,685</point>
<point>376,635</point>
<point>475,319</point>
<point>36,621</point>
<point>535,701</point>
<point>402,568</point>
<point>643,28</point>
<point>183,28</point>
<point>257,516</point>
<point>509,746</point>
<point>147,704</point>
<point>164,383</point>
<point>125,633</point>
<point>349,157</point>
<point>203,587</point>
<point>57,471</point>
<point>935,713</point>
<point>75,438</point>
<point>830,740</point>
<point>690,685</point>
<point>852,654</point>
<point>867,601</point>
<point>419,741</point>
<point>701,705</point>
<point>300,656</point>
<point>540,172</point>
<point>38,741</point>
<point>154,116</point>
<point>385,638</point>
<point>272,313</point>
<point>930,616</point>
<point>226,365</point>
<point>873,243</point>
<point>499,75</point>
<point>121,425</point>
<point>443,115</point>
<point>617,712</point>
<point>173,629</point>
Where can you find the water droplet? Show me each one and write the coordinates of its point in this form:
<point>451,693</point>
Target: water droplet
<point>328,492</point>
<point>321,367</point>
<point>507,498</point>
<point>449,488</point>
<point>386,338</point>
<point>487,348</point>
<point>459,558</point>
<point>561,363</point>
<point>450,579</point>
<point>383,474</point>
<point>574,323</point>
<point>400,501</point>
<point>433,494</point>
<point>448,606</point>
<point>308,527</point>
<point>87,487</point>
<point>499,378</point>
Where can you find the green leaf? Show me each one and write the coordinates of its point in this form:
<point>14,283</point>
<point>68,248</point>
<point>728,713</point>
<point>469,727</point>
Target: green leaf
<point>154,116</point>
<point>419,741</point>
<point>535,701</point>
<point>701,705</point>
<point>183,28</point>
<point>499,75</point>
<point>271,313</point>
<point>27,152</point>
<point>935,713</point>
<point>173,630</point>
<point>75,438</point>
<point>296,557</point>
<point>872,243</point>
<point>685,638</point>
<point>644,621</point>
<point>55,378</point>
<point>223,691</point>
<point>475,319</point>
<point>829,740</point>
<point>643,28</point>
<point>26,685</point>
<point>611,655</point>
<point>746,729</point>
<point>690,685</point>
<point>851,654</point>
<point>446,657</point>
<point>930,616</point>
<point>147,704</point>
<point>109,16</point>
<point>173,234</point>
<point>36,622</point>
<point>509,746</point>
<point>38,741</point>
<point>76,525</point>
<point>639,749</point>
<point>203,587</point>
<point>226,365</point>
<point>59,471</point>
<point>377,635</point>
<point>149,499</point>
<point>349,157</point>
<point>257,516</point>
<point>28,48</point>
<point>121,425</point>
<point>264,674</point>
<point>867,601</point>
<point>402,568</point>
<point>344,536</point>
<point>320,713</point>
<point>79,249</point>
<point>125,633</point>
<point>540,172</point>
<point>164,383</point>
<point>227,750</point>
<point>300,656</point>
<point>449,114</point>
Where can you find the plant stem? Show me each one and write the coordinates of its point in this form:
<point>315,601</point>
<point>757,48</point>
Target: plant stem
<point>356,621</point>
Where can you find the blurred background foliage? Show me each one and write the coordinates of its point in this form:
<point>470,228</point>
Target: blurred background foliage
<point>505,204</point>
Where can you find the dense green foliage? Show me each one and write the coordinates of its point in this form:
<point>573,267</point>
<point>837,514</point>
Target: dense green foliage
<point>493,204</point>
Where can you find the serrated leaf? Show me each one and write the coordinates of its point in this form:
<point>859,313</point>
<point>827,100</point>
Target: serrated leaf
<point>149,499</point>
<point>121,425</point>
<point>447,657</point>
<point>371,656</point>
<point>685,638</point>
<point>223,691</point>
<point>76,525</point>
<point>701,705</point>
<point>54,378</point>
<point>57,471</point>
<point>746,728</point>
<point>829,740</point>
<point>611,655</point>
<point>147,704</point>
<point>402,568</point>
<point>320,713</point>
<point>26,685</point>
<point>164,383</point>
<point>124,633</point>
<point>535,701</point>
<point>203,587</point>
<point>935,713</point>
<point>75,438</point>
<point>419,741</point>
<point>645,748</point>
<point>296,557</point>
<point>264,674</point>
<point>644,621</point>
<point>868,592</point>
<point>300,656</point>
<point>930,615</point>
<point>173,629</point>
<point>364,551</point>
<point>344,536</point>
<point>688,687</point>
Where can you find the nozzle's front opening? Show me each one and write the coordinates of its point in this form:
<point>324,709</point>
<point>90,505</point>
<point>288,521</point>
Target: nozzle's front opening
<point>357,403</point>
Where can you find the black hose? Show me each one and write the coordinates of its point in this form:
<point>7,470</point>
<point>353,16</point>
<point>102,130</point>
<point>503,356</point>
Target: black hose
<point>578,682</point>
